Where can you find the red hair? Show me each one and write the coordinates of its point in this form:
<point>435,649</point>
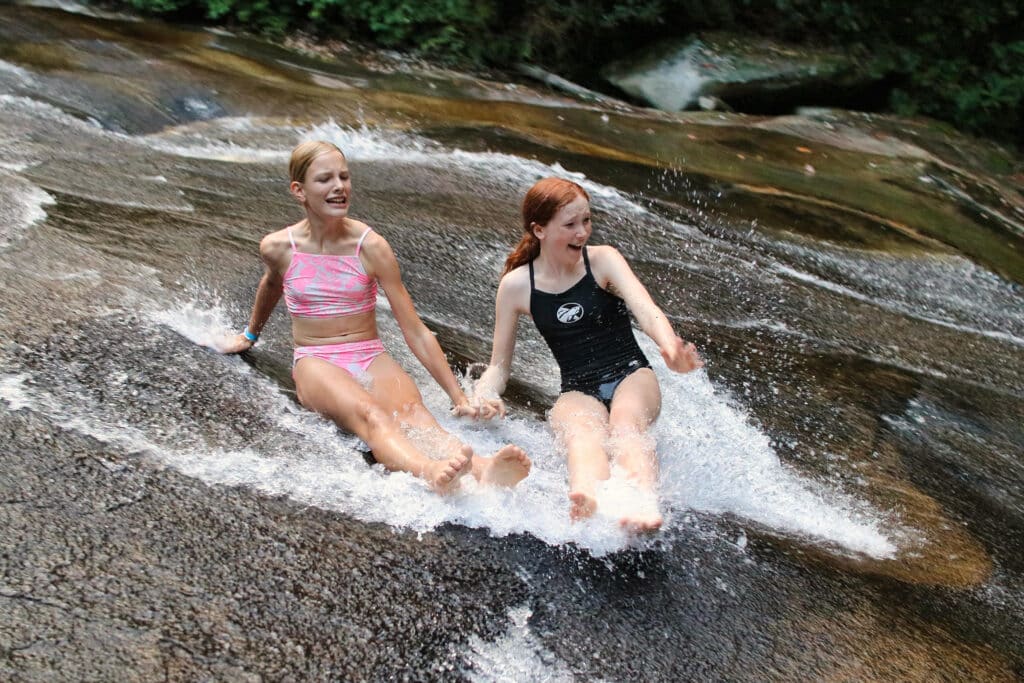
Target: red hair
<point>541,203</point>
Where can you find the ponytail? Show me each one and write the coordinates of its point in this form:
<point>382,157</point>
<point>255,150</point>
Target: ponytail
<point>541,203</point>
<point>527,250</point>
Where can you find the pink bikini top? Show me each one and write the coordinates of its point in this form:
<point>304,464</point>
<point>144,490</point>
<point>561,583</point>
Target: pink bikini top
<point>328,285</point>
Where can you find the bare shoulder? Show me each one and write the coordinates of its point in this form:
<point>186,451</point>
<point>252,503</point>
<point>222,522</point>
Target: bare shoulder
<point>275,247</point>
<point>375,253</point>
<point>514,288</point>
<point>373,240</point>
<point>607,264</point>
<point>603,254</point>
<point>516,279</point>
<point>374,245</point>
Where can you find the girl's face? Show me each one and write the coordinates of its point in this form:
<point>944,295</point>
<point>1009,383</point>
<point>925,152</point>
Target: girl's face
<point>327,188</point>
<point>567,231</point>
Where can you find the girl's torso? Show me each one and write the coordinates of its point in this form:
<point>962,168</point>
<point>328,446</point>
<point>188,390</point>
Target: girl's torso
<point>330,296</point>
<point>587,328</point>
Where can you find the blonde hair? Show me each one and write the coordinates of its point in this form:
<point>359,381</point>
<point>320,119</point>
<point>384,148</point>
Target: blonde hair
<point>303,155</point>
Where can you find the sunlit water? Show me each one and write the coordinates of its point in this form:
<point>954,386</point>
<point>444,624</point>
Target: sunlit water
<point>127,256</point>
<point>712,458</point>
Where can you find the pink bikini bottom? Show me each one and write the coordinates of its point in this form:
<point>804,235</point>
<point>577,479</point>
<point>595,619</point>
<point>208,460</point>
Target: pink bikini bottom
<point>353,357</point>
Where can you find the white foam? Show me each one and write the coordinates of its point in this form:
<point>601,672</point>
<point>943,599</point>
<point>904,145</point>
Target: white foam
<point>226,151</point>
<point>21,206</point>
<point>905,309</point>
<point>206,325</point>
<point>34,108</point>
<point>712,459</point>
<point>13,392</point>
<point>72,7</point>
<point>517,656</point>
<point>366,144</point>
<point>212,140</point>
<point>674,84</point>
<point>23,76</point>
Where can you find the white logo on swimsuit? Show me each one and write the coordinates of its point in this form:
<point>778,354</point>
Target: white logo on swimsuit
<point>569,313</point>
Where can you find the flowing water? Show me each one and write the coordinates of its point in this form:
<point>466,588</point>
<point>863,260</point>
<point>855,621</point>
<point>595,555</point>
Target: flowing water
<point>842,483</point>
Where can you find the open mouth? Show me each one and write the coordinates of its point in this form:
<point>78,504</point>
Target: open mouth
<point>338,201</point>
<point>577,247</point>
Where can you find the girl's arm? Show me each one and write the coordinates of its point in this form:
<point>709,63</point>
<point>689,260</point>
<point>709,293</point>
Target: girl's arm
<point>268,293</point>
<point>615,271</point>
<point>421,341</point>
<point>507,309</point>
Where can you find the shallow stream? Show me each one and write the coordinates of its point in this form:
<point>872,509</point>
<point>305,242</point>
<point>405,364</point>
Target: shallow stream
<point>842,482</point>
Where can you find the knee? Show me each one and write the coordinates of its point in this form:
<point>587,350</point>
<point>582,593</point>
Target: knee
<point>631,434</point>
<point>588,434</point>
<point>374,419</point>
<point>620,429</point>
<point>414,413</point>
<point>630,419</point>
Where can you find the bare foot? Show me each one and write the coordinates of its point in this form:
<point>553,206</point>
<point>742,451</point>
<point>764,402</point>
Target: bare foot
<point>581,505</point>
<point>507,467</point>
<point>443,475</point>
<point>641,523</point>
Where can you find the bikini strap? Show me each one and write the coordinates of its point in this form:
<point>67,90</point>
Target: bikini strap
<point>291,239</point>
<point>359,244</point>
<point>586,259</point>
<point>531,277</point>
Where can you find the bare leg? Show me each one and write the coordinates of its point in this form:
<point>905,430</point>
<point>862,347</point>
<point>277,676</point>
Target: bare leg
<point>333,392</point>
<point>581,424</point>
<point>635,406</point>
<point>395,390</point>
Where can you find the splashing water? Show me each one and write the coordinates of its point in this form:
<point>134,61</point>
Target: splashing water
<point>712,460</point>
<point>517,655</point>
<point>21,206</point>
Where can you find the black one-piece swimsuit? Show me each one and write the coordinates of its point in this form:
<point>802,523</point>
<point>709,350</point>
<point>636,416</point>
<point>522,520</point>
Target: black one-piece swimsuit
<point>588,330</point>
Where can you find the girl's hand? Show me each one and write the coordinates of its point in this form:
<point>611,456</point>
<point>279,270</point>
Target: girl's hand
<point>464,409</point>
<point>236,343</point>
<point>489,407</point>
<point>681,356</point>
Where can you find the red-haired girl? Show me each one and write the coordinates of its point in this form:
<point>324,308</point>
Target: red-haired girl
<point>580,298</point>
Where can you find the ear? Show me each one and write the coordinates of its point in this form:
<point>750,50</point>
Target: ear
<point>537,230</point>
<point>295,187</point>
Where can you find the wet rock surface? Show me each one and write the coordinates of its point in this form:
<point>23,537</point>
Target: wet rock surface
<point>118,570</point>
<point>170,514</point>
<point>115,569</point>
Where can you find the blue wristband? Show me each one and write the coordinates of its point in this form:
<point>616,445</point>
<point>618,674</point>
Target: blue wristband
<point>251,336</point>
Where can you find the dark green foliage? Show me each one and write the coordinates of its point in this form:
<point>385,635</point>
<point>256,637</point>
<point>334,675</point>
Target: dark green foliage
<point>962,62</point>
<point>445,28</point>
<point>264,16</point>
